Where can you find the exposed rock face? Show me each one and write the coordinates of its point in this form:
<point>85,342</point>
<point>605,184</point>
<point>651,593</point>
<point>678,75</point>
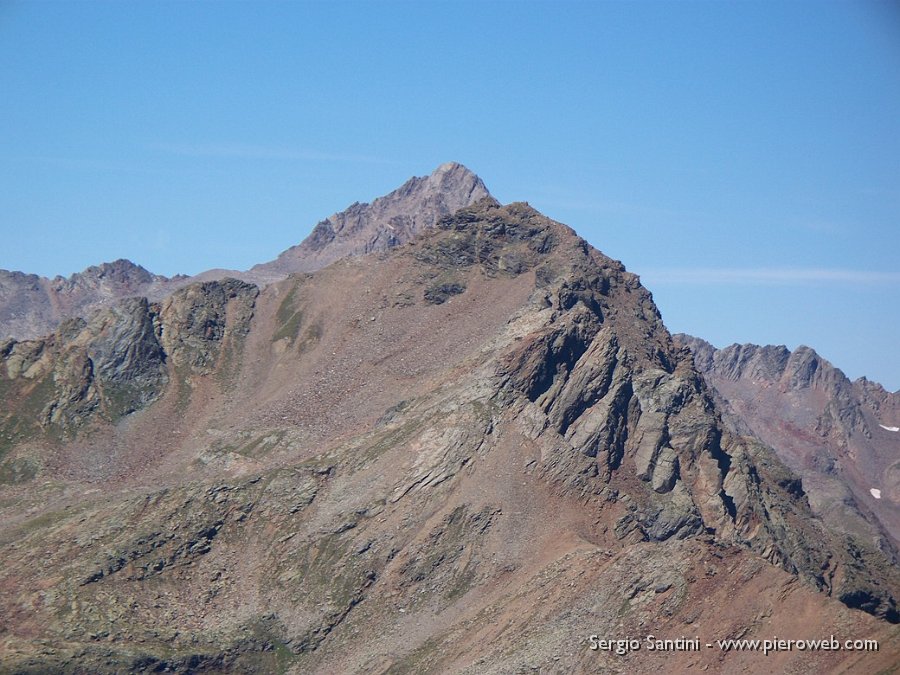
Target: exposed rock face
<point>835,433</point>
<point>387,222</point>
<point>201,320</point>
<point>111,366</point>
<point>466,454</point>
<point>119,361</point>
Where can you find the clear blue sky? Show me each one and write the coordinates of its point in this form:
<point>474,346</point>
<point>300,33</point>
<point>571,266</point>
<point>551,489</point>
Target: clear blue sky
<point>744,158</point>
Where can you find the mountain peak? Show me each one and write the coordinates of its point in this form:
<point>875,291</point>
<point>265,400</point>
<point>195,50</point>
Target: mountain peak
<point>450,166</point>
<point>388,221</point>
<point>31,305</point>
<point>117,271</point>
<point>454,169</point>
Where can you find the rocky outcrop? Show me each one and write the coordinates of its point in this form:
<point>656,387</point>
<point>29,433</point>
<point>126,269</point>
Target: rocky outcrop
<point>119,360</point>
<point>640,411</point>
<point>111,365</point>
<point>31,305</point>
<point>202,320</point>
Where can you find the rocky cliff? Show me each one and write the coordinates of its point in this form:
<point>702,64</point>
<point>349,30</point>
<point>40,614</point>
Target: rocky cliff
<point>837,434</point>
<point>464,454</point>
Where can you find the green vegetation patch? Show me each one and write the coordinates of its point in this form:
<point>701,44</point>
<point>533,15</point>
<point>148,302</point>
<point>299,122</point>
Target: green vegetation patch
<point>288,317</point>
<point>183,389</point>
<point>311,337</point>
<point>290,328</point>
<point>17,471</point>
<point>382,442</point>
<point>268,631</point>
<point>36,524</point>
<point>262,445</point>
<point>424,659</point>
<point>36,400</point>
<point>124,399</point>
<point>231,357</point>
<point>21,417</point>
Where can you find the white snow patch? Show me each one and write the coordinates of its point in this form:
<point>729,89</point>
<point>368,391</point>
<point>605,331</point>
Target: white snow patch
<point>889,428</point>
<point>875,492</point>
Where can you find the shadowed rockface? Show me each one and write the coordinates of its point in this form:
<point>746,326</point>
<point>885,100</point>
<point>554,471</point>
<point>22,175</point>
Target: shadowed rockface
<point>463,454</point>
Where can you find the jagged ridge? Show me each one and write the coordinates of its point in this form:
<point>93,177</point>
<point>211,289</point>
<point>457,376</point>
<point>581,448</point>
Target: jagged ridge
<point>833,432</point>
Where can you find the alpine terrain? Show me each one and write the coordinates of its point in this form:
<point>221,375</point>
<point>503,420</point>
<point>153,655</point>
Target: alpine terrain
<point>840,436</point>
<point>31,306</point>
<point>441,435</point>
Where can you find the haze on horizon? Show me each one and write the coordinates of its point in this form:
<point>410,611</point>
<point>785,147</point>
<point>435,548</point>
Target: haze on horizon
<point>742,158</point>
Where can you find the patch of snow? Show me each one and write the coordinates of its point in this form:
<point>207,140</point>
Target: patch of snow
<point>875,492</point>
<point>889,428</point>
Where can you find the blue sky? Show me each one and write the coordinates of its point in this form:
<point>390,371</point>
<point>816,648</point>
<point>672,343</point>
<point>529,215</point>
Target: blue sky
<point>743,158</point>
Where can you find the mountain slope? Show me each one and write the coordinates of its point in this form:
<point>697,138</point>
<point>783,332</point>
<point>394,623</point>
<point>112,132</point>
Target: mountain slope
<point>31,306</point>
<point>468,453</point>
<point>835,433</point>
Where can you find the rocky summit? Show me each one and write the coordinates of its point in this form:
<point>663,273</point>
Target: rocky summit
<point>469,449</point>
<point>387,222</point>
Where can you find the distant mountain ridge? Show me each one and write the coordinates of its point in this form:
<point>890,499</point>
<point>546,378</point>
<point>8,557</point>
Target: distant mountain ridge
<point>836,433</point>
<point>31,306</point>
